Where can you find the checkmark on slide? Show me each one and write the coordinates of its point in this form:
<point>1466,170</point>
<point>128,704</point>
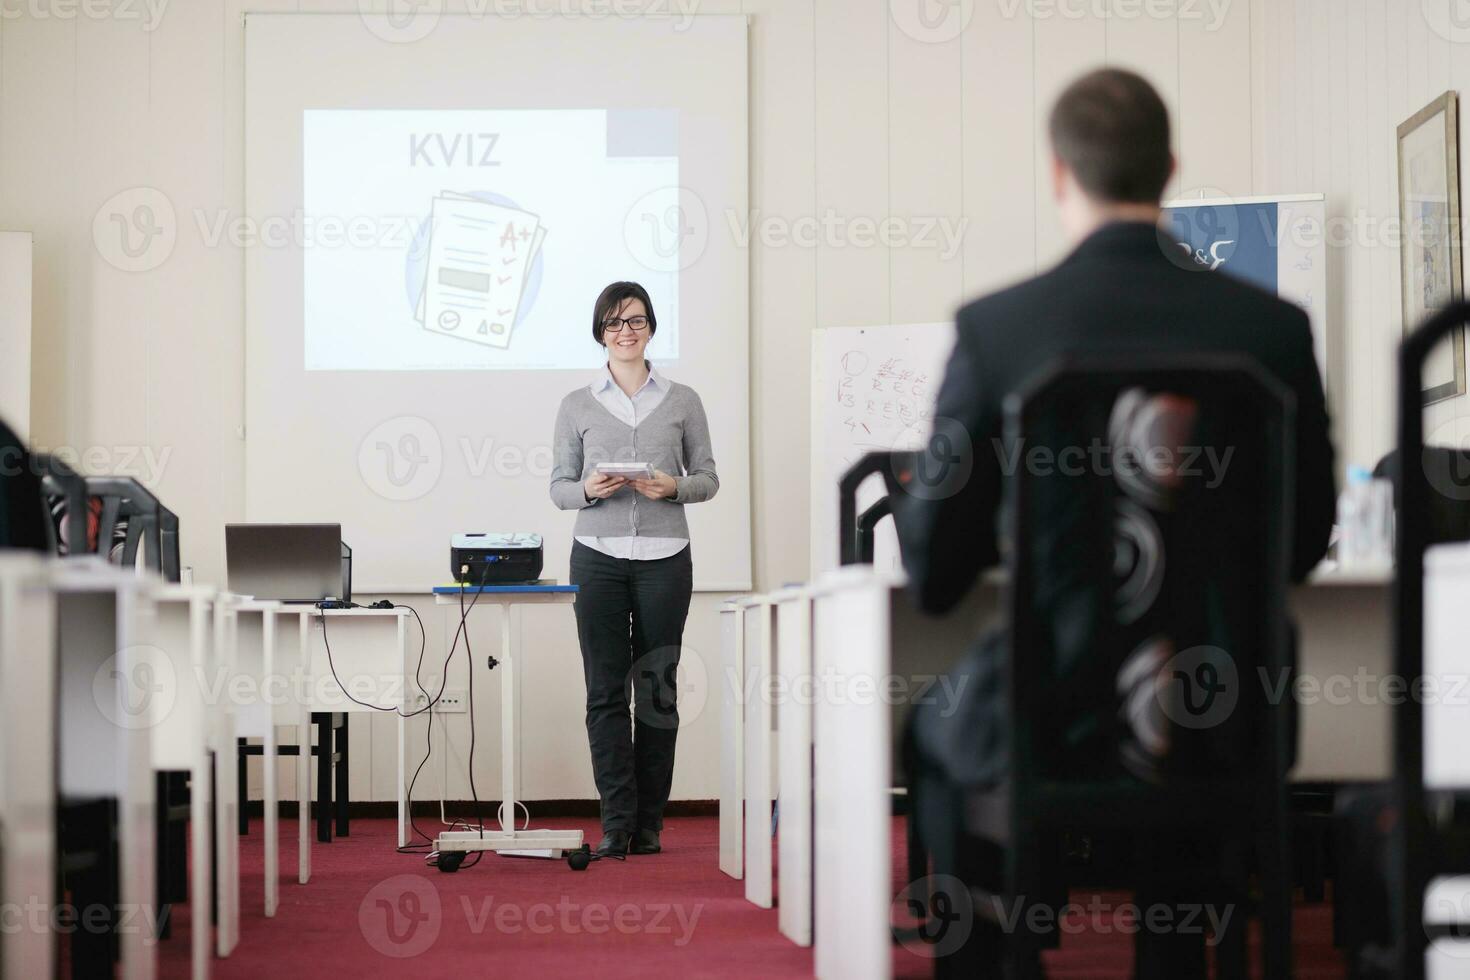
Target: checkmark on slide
<point>502,279</point>
<point>504,312</point>
<point>508,261</point>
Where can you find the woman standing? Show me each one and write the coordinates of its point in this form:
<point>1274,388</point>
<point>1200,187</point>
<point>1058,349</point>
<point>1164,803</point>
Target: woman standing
<point>631,560</point>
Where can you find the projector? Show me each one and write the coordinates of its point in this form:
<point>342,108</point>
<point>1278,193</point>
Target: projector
<point>495,559</point>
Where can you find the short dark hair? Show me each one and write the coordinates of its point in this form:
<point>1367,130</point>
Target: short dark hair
<point>1111,130</point>
<point>611,299</point>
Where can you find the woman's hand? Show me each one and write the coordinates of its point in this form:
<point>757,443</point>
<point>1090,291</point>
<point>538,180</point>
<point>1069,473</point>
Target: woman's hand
<point>662,485</point>
<point>600,486</point>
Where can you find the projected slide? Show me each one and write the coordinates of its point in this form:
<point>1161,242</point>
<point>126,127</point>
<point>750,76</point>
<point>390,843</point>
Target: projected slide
<point>470,240</point>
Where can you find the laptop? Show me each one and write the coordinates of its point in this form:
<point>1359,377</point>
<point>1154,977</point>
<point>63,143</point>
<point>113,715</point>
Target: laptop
<point>285,562</point>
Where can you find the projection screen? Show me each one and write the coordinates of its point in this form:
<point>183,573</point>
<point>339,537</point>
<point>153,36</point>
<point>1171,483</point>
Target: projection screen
<point>433,217</point>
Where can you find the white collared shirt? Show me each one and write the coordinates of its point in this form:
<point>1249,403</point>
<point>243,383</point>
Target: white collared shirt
<point>631,411</point>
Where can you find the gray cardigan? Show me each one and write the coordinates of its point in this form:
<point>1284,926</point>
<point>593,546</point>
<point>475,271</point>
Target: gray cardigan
<point>674,437</point>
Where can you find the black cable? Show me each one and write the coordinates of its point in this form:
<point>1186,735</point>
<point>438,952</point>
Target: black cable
<point>428,741</point>
<point>429,733</point>
<point>430,841</point>
<point>470,660</point>
<point>423,642</point>
<point>462,630</point>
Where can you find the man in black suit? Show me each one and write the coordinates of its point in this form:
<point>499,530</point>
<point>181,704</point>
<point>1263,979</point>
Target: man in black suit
<point>1124,288</point>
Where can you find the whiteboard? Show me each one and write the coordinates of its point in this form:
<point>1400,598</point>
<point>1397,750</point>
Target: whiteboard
<point>404,459</point>
<point>873,389</point>
<point>15,331</point>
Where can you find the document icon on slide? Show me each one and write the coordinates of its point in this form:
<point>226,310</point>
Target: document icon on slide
<point>480,255</point>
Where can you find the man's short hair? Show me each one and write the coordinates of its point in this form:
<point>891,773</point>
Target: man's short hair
<point>1111,129</point>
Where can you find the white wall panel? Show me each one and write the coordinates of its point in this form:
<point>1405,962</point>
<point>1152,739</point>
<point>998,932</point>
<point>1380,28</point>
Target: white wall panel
<point>852,111</point>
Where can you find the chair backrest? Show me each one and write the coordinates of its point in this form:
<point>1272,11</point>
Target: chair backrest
<point>1147,532</point>
<point>23,521</point>
<point>1447,505</point>
<point>145,521</point>
<point>65,492</point>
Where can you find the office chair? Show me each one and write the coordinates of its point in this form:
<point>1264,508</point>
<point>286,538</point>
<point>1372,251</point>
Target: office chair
<point>1131,593</point>
<point>1447,505</point>
<point>333,766</point>
<point>1422,844</point>
<point>144,522</point>
<point>23,521</point>
<point>65,489</point>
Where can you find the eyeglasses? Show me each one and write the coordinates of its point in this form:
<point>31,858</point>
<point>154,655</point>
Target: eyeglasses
<point>615,324</point>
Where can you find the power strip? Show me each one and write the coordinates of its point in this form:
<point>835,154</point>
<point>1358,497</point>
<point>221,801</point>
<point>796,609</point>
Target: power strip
<point>454,701</point>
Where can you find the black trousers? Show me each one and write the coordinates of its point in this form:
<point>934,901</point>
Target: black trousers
<point>630,621</point>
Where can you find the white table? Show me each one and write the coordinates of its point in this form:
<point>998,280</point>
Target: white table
<point>368,649</point>
<point>793,635</point>
<point>732,737</point>
<point>858,632</point>
<point>181,632</point>
<point>28,759</point>
<point>758,626</point>
<point>509,598</point>
<point>107,683</point>
<point>257,682</point>
<point>221,732</point>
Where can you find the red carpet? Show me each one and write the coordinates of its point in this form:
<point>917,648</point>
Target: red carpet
<point>371,912</point>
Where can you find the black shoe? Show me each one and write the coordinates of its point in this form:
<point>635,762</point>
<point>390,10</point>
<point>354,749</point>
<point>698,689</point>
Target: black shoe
<point>645,842</point>
<point>614,844</point>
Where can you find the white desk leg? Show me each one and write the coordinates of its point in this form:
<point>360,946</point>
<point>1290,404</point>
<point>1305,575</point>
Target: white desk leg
<point>406,707</point>
<point>303,796</point>
<point>227,839</point>
<point>272,803</point>
<point>272,829</point>
<point>732,742</point>
<point>199,881</point>
<point>508,698</point>
<point>758,788</point>
<point>794,735</point>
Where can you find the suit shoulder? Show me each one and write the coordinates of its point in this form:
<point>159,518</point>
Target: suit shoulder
<point>1018,301</point>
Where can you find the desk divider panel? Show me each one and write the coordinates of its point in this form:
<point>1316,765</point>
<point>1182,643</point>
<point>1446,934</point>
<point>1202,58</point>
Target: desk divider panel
<point>793,612</point>
<point>732,740</point>
<point>852,779</point>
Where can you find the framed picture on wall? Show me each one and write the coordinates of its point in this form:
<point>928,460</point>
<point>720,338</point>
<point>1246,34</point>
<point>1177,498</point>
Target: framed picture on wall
<point>1429,219</point>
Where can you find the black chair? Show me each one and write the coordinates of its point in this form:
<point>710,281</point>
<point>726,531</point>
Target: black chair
<point>23,522</point>
<point>1447,510</point>
<point>1149,587</point>
<point>332,771</point>
<point>1425,840</point>
<point>66,491</point>
<point>146,523</point>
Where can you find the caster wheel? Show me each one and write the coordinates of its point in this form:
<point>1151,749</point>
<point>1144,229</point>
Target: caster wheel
<point>580,858</point>
<point>449,861</point>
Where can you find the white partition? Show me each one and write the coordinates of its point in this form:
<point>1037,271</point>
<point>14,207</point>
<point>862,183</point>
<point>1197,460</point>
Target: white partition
<point>760,792</point>
<point>255,669</point>
<point>15,330</point>
<point>107,686</point>
<point>293,710</point>
<point>356,660</point>
<point>732,740</point>
<point>793,633</point>
<point>852,776</point>
<point>27,758</point>
<point>226,783</point>
<point>181,631</point>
